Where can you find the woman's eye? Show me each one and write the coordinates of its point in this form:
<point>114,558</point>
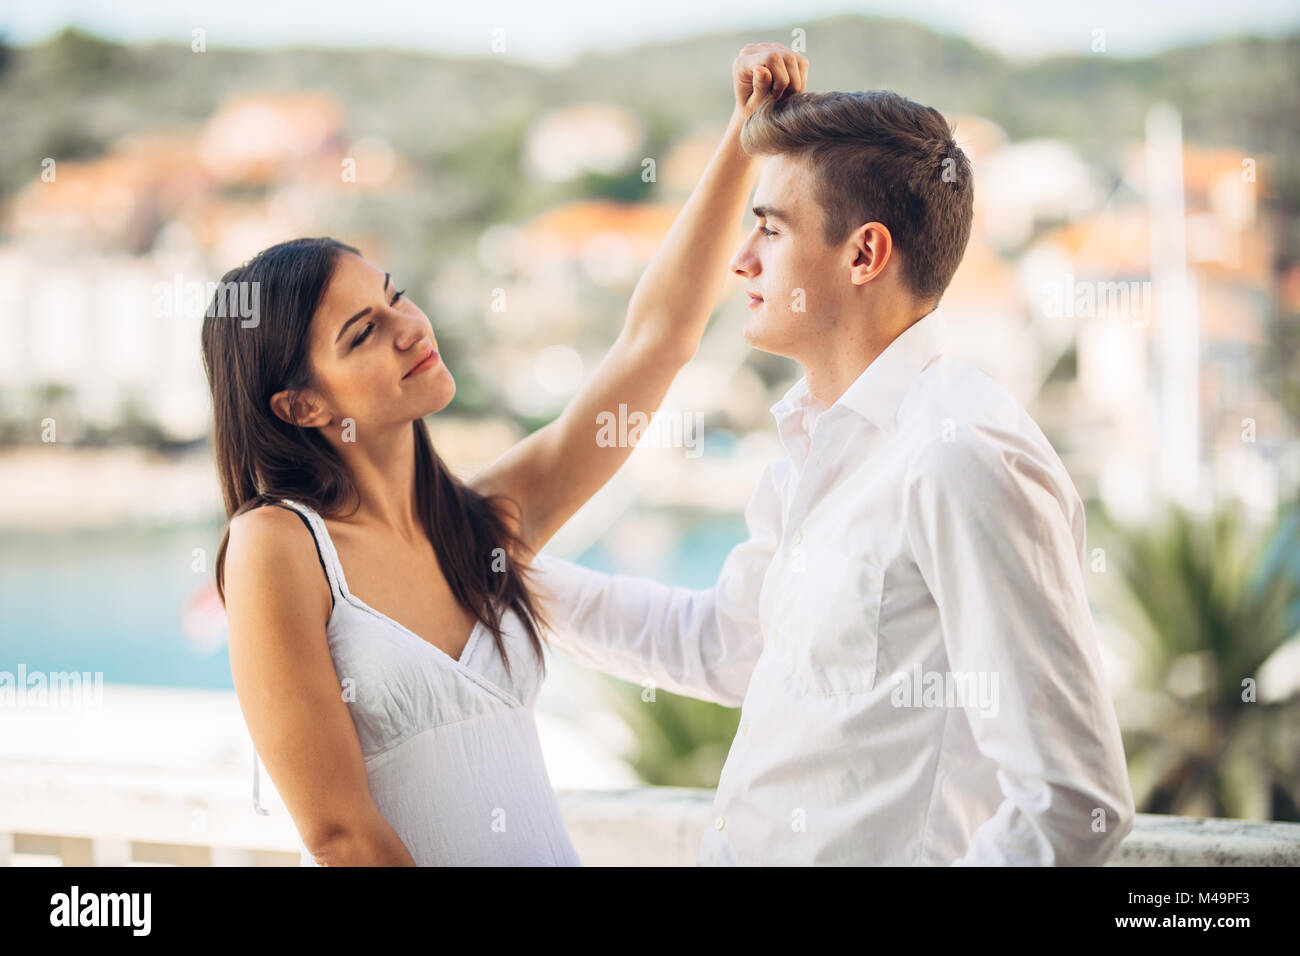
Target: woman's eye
<point>360,338</point>
<point>396,296</point>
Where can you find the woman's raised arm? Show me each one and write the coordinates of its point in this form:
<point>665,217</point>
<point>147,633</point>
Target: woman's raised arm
<point>553,471</point>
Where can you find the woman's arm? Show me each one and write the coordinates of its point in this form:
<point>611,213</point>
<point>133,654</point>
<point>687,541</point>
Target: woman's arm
<point>277,605</point>
<point>553,472</point>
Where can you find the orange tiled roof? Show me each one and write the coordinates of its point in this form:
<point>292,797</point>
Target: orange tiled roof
<point>252,136</point>
<point>572,223</point>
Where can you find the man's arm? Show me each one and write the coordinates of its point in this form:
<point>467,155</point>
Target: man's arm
<point>702,644</point>
<point>996,549</point>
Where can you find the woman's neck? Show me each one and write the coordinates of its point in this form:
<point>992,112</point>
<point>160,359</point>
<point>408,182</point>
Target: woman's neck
<point>383,471</point>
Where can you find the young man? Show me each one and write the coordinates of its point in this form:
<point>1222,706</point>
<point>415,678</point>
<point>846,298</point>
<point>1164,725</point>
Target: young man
<point>906,629</point>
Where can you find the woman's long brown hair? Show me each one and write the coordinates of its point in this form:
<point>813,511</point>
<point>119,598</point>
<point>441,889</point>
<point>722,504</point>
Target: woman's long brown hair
<point>262,459</point>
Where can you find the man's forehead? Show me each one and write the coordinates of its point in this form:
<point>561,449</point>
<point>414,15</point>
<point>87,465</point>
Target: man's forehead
<point>781,185</point>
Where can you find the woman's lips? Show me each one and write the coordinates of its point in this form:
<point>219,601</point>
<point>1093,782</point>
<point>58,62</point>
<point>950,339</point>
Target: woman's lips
<point>424,365</point>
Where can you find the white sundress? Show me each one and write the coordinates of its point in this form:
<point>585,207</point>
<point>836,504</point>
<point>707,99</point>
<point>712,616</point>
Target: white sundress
<point>450,746</point>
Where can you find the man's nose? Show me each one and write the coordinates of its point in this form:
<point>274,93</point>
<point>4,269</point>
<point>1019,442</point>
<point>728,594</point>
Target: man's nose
<point>744,263</point>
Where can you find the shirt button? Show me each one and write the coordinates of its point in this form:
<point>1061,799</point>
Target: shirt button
<point>744,726</point>
<point>719,823</point>
<point>798,536</point>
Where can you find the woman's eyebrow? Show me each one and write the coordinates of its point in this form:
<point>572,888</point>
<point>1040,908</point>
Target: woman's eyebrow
<point>359,315</point>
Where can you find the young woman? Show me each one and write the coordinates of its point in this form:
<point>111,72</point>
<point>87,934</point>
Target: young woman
<point>390,697</point>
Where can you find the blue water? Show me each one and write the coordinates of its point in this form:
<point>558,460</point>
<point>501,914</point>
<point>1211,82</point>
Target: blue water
<point>110,600</point>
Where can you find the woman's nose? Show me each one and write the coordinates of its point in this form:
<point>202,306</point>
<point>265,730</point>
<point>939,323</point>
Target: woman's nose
<point>413,331</point>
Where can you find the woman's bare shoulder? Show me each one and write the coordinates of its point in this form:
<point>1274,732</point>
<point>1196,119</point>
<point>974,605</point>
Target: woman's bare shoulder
<point>270,545</point>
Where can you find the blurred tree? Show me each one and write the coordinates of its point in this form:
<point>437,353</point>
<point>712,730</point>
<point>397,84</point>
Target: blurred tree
<point>1210,601</point>
<point>681,742</point>
<point>78,56</point>
<point>620,187</point>
<point>68,140</point>
<point>1281,363</point>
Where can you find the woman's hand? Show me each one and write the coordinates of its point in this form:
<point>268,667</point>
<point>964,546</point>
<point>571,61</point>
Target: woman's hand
<point>762,69</point>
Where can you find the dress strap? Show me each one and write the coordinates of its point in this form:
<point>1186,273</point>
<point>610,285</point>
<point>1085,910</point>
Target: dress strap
<point>329,559</point>
<point>329,562</point>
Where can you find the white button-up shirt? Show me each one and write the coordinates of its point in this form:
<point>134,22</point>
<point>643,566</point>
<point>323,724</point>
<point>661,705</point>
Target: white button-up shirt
<point>906,631</point>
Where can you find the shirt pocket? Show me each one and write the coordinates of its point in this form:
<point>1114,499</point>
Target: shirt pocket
<point>832,639</point>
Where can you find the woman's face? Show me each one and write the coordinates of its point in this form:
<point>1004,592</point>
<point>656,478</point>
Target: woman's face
<point>365,341</point>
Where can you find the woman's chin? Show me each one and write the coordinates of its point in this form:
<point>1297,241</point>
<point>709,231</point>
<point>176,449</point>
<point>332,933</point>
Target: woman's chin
<point>443,397</point>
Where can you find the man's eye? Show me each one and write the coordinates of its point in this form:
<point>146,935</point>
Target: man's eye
<point>360,338</point>
<point>766,231</point>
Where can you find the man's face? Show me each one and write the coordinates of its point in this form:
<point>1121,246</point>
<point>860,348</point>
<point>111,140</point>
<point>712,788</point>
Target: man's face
<point>801,286</point>
<point>361,365</point>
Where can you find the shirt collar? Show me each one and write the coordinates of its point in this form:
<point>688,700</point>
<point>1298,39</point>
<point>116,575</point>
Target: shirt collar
<point>875,395</point>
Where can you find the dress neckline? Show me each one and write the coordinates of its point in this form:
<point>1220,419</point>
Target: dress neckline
<point>470,643</point>
<point>465,651</point>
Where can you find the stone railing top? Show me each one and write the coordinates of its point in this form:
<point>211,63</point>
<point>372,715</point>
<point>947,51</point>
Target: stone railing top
<point>663,825</point>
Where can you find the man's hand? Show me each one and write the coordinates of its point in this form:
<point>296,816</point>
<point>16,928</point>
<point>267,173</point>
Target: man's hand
<point>761,69</point>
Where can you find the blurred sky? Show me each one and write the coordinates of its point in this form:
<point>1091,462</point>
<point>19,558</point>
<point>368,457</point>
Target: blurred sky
<point>554,32</point>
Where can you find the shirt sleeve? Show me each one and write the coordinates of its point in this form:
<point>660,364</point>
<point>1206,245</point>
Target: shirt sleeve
<point>997,530</point>
<point>699,643</point>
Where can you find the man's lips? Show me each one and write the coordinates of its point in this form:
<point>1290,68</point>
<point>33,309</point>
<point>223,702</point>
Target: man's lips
<point>429,360</point>
<point>754,299</point>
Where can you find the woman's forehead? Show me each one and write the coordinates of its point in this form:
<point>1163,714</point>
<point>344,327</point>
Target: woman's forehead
<point>354,285</point>
<point>354,276</point>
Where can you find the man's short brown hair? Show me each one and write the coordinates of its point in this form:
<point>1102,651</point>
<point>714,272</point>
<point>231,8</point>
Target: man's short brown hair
<point>878,157</point>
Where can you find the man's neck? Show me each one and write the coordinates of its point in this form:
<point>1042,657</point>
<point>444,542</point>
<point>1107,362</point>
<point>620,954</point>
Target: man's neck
<point>835,367</point>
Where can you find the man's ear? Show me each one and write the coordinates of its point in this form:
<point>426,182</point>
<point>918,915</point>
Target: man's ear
<point>310,409</point>
<point>871,247</point>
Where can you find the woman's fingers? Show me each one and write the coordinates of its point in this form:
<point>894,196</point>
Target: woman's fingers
<point>782,71</point>
<point>792,68</point>
<point>780,75</point>
<point>760,84</point>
